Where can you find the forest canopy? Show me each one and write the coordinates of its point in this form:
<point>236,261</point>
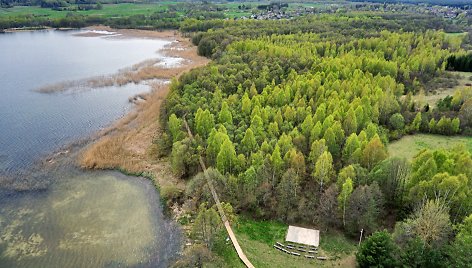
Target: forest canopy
<point>296,119</point>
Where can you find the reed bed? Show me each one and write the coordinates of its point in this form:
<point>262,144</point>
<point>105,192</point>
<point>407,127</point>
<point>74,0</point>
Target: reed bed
<point>128,144</point>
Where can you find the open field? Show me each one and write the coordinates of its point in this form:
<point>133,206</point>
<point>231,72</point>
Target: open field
<point>456,34</point>
<point>258,237</point>
<point>409,146</point>
<point>114,10</point>
<point>109,10</point>
<point>464,79</point>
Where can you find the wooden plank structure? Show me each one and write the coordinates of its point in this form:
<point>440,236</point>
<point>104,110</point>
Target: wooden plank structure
<point>230,232</point>
<point>304,236</point>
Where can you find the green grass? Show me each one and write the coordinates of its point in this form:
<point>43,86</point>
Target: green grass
<point>409,146</point>
<point>456,34</point>
<point>237,14</point>
<point>109,10</point>
<point>257,238</point>
<point>114,10</point>
<point>227,256</point>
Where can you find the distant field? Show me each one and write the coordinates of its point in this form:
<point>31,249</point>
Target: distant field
<point>456,34</point>
<point>109,10</point>
<point>409,146</point>
<point>258,237</point>
<point>115,10</point>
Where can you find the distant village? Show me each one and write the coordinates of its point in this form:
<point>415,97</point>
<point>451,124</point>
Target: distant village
<point>280,10</point>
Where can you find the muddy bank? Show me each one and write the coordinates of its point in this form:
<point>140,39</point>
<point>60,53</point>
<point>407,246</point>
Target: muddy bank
<point>56,214</point>
<point>128,144</point>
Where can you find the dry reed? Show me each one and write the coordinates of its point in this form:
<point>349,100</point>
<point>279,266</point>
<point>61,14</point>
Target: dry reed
<point>128,144</point>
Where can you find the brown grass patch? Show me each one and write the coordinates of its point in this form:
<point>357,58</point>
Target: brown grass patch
<point>431,97</point>
<point>127,145</point>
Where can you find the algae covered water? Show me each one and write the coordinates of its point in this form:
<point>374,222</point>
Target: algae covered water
<point>88,219</point>
<point>75,218</point>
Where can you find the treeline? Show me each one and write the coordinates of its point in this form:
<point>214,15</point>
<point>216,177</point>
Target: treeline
<point>191,18</point>
<point>461,62</point>
<point>456,3</point>
<point>12,3</point>
<point>69,21</point>
<point>162,19</point>
<point>337,29</point>
<point>295,119</point>
<point>170,18</point>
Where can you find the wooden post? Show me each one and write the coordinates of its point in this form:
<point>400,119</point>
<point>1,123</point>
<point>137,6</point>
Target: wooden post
<point>360,238</point>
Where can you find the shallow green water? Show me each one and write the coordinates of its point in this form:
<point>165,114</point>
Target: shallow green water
<point>53,214</point>
<point>91,219</point>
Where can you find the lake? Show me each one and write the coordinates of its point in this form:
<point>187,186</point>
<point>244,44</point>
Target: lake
<point>75,218</point>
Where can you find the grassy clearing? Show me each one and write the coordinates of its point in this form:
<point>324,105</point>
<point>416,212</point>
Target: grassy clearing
<point>258,237</point>
<point>237,14</point>
<point>456,34</point>
<point>409,146</point>
<point>463,80</point>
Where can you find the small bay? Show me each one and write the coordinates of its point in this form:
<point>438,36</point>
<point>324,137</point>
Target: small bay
<point>76,218</point>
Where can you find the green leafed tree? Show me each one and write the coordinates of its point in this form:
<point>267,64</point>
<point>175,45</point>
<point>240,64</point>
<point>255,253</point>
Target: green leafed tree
<point>204,122</point>
<point>225,116</point>
<point>377,251</point>
<point>248,143</point>
<point>346,191</point>
<point>246,104</point>
<point>214,142</point>
<point>396,121</point>
<point>276,162</point>
<point>257,126</point>
<point>460,250</point>
<point>352,150</point>
<point>350,122</point>
<point>324,170</point>
<point>364,209</point>
<point>175,128</point>
<point>184,158</point>
<point>288,191</point>
<point>226,159</point>
<point>373,153</point>
<point>207,225</point>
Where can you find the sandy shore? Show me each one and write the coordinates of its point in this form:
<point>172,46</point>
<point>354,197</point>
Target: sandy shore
<point>128,144</point>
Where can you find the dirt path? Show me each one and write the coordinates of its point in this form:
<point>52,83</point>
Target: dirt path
<point>128,144</point>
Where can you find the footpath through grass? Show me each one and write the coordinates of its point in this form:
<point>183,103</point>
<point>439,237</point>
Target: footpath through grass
<point>409,146</point>
<point>258,237</point>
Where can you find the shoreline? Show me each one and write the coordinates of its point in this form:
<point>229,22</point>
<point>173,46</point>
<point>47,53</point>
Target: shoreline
<point>127,145</point>
<point>178,56</point>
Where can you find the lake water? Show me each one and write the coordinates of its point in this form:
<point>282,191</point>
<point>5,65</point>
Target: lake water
<point>77,218</point>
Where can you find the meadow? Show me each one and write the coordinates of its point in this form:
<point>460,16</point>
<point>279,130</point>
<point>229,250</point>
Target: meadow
<point>257,238</point>
<point>113,10</point>
<point>409,146</point>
